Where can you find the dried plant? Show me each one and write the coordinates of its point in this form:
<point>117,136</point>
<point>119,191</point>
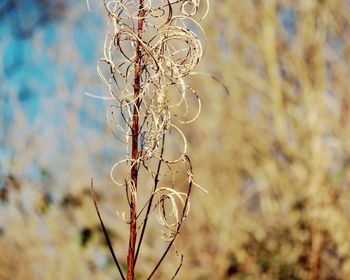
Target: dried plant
<point>150,50</point>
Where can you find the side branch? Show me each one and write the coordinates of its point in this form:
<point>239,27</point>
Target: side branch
<point>105,232</point>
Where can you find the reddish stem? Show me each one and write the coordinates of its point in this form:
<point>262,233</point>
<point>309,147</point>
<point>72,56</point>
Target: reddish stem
<point>134,145</point>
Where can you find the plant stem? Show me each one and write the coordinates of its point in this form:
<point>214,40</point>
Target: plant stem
<point>134,148</point>
<point>156,181</point>
<point>105,232</point>
<point>178,226</point>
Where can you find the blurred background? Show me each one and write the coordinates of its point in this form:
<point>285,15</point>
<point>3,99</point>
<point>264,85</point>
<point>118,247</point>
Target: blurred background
<point>274,154</point>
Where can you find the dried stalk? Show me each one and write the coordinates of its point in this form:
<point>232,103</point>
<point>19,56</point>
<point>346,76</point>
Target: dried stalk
<point>105,232</point>
<point>149,204</point>
<point>135,143</point>
<point>151,47</point>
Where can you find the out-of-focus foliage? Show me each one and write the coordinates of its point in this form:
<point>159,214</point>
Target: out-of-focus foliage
<point>48,131</point>
<point>274,155</point>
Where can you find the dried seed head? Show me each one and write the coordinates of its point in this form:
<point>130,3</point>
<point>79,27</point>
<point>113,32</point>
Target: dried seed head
<point>168,48</point>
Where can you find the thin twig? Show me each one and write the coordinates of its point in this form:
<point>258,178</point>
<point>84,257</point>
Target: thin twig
<point>178,269</point>
<point>105,233</point>
<point>149,206</point>
<point>179,225</point>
